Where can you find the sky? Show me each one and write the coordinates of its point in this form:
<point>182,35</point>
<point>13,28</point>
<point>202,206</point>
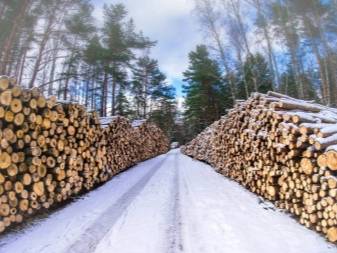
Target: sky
<point>172,24</point>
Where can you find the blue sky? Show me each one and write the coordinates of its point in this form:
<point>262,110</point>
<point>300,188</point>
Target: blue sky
<point>171,23</point>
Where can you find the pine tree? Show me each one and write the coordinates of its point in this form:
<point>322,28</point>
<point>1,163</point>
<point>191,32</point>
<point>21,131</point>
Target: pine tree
<point>120,38</point>
<point>154,99</point>
<point>205,91</point>
<point>289,87</point>
<point>147,77</point>
<point>258,75</point>
<point>164,112</point>
<point>123,107</point>
<point>288,83</point>
<point>94,57</point>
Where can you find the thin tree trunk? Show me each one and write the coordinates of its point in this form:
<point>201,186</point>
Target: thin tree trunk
<point>329,66</point>
<point>52,77</point>
<point>294,48</point>
<point>145,91</point>
<point>10,39</point>
<point>245,82</point>
<point>87,88</point>
<point>272,58</point>
<point>23,61</point>
<point>333,79</point>
<point>53,69</point>
<point>66,84</point>
<point>271,55</point>
<point>331,73</point>
<point>18,62</point>
<point>297,73</point>
<point>9,65</point>
<point>225,63</point>
<point>104,94</point>
<point>287,85</point>
<point>113,98</point>
<point>236,11</point>
<point>210,23</point>
<point>65,91</point>
<point>42,47</point>
<point>322,72</point>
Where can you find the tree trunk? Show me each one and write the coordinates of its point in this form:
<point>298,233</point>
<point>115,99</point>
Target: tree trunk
<point>210,24</point>
<point>10,62</point>
<point>10,39</point>
<point>145,91</point>
<point>271,56</point>
<point>23,61</point>
<point>65,91</point>
<point>66,84</point>
<point>245,82</point>
<point>322,71</point>
<point>104,95</point>
<point>236,11</point>
<point>19,60</point>
<point>53,69</point>
<point>225,63</point>
<point>113,98</point>
<point>297,73</point>
<point>333,79</point>
<point>41,49</point>
<point>87,88</point>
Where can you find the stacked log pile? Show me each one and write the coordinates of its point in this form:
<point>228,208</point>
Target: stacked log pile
<point>121,145</point>
<point>52,150</point>
<point>150,140</point>
<point>282,149</point>
<point>127,144</point>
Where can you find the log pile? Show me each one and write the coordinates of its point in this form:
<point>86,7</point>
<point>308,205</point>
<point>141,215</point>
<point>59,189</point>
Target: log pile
<point>282,149</point>
<point>52,150</point>
<point>150,141</point>
<point>127,144</point>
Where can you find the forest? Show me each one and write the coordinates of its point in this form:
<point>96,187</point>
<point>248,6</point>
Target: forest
<point>288,46</point>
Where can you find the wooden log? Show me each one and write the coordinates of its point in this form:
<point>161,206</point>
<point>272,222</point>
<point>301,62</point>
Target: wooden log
<point>331,157</point>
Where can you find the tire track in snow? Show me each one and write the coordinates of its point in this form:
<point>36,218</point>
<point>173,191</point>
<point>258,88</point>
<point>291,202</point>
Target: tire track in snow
<point>193,241</point>
<point>175,230</point>
<point>90,238</point>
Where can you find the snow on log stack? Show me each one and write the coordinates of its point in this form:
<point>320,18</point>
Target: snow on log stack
<point>52,150</point>
<point>280,148</point>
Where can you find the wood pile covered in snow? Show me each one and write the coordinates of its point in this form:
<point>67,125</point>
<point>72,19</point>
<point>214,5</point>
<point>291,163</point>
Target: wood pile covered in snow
<point>52,150</point>
<point>281,148</point>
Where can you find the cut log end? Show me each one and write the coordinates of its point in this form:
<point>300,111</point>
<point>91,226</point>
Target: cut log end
<point>332,234</point>
<point>331,157</point>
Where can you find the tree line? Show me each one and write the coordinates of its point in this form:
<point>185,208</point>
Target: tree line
<point>60,48</point>
<point>287,46</point>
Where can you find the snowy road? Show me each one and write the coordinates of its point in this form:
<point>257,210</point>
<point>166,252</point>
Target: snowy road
<point>169,204</point>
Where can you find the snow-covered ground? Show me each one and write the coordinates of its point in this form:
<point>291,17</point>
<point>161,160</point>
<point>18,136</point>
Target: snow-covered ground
<point>165,205</point>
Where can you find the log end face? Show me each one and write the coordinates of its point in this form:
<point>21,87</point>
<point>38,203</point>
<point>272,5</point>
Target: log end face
<point>332,234</point>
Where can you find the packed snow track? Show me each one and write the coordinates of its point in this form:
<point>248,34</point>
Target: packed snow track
<point>168,204</point>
